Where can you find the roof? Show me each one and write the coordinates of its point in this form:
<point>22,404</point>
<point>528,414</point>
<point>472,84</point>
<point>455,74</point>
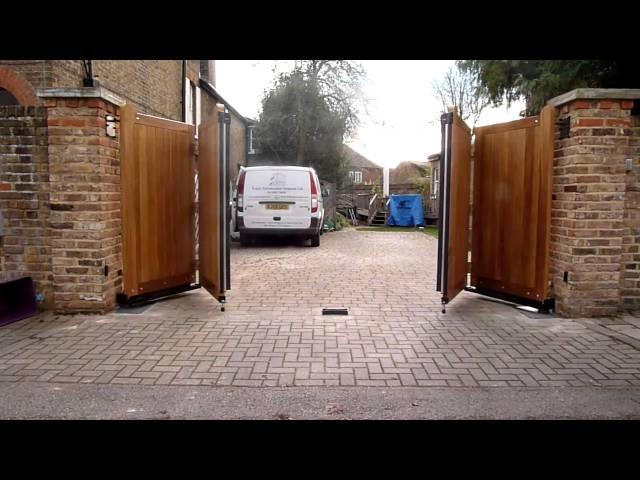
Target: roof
<point>409,169</point>
<point>433,158</point>
<point>357,160</point>
<point>418,163</point>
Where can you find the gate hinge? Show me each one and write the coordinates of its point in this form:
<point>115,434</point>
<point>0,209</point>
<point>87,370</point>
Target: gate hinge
<point>224,117</point>
<point>196,147</point>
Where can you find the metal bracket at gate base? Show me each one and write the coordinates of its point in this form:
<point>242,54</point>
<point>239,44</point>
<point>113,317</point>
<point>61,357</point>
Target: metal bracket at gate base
<point>138,300</point>
<point>544,306</point>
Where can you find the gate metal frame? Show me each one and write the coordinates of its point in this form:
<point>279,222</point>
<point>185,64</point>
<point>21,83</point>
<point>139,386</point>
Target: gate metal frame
<point>446,120</point>
<point>224,119</point>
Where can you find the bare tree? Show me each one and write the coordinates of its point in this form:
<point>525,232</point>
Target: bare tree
<point>460,88</point>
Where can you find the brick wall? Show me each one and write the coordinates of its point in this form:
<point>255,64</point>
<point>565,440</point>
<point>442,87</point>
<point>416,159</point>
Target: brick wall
<point>37,72</point>
<point>25,248</point>
<point>594,232</point>
<point>238,134</point>
<point>85,227</point>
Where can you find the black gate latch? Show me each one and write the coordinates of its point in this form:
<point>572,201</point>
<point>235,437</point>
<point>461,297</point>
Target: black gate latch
<point>565,126</point>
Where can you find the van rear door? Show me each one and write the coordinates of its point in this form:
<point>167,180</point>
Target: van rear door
<point>277,198</point>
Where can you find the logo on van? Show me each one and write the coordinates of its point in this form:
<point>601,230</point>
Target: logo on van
<point>277,180</point>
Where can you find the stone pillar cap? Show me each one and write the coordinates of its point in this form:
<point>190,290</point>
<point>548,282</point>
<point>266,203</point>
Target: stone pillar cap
<point>595,94</point>
<point>84,92</point>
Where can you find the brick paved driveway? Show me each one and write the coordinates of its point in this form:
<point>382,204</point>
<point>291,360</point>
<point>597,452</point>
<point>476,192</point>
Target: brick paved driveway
<point>273,333</point>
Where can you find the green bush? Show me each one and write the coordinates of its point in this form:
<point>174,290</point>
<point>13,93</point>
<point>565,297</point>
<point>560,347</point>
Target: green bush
<point>341,221</point>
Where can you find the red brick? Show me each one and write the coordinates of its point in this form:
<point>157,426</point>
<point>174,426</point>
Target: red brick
<point>589,122</point>
<point>66,122</point>
<point>96,103</point>
<point>606,104</point>
<point>5,186</point>
<point>580,104</point>
<point>618,122</point>
<point>627,104</point>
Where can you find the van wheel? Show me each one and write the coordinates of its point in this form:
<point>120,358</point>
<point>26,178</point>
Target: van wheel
<point>315,240</point>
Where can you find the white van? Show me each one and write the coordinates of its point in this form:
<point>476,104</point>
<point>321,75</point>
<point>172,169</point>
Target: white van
<point>278,201</point>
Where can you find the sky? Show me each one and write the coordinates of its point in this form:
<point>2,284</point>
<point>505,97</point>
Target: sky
<point>401,119</point>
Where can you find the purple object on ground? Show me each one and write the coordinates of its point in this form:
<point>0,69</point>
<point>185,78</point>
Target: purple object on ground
<point>17,300</point>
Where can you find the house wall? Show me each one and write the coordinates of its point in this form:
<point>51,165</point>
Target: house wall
<point>238,148</point>
<point>237,133</point>
<point>370,176</point>
<point>153,86</point>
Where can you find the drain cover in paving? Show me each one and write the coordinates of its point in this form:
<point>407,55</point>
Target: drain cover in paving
<point>335,311</point>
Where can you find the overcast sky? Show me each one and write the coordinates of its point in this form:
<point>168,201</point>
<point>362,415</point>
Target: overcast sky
<point>401,118</point>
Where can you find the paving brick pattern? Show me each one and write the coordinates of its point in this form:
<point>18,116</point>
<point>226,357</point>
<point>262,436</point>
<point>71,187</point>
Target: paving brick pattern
<point>273,332</point>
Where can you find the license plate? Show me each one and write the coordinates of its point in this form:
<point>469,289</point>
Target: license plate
<point>277,206</point>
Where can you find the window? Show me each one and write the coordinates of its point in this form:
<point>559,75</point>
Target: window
<point>251,149</point>
<point>192,104</point>
<point>435,182</point>
<point>355,177</point>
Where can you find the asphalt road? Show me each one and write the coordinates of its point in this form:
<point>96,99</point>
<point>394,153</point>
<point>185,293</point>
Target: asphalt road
<point>32,400</point>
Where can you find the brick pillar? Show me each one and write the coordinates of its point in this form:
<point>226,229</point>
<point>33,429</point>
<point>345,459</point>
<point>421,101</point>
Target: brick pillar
<point>84,166</point>
<point>593,242</point>
<point>630,281</point>
<point>25,247</point>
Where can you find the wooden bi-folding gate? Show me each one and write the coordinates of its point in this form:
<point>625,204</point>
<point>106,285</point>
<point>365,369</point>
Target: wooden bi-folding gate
<point>495,212</point>
<point>159,165</point>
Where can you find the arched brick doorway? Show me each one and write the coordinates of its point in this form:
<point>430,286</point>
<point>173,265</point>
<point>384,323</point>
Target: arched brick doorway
<point>15,89</point>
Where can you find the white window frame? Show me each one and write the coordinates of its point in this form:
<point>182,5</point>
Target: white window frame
<point>190,90</point>
<point>436,182</point>
<point>251,149</point>
<point>355,177</point>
